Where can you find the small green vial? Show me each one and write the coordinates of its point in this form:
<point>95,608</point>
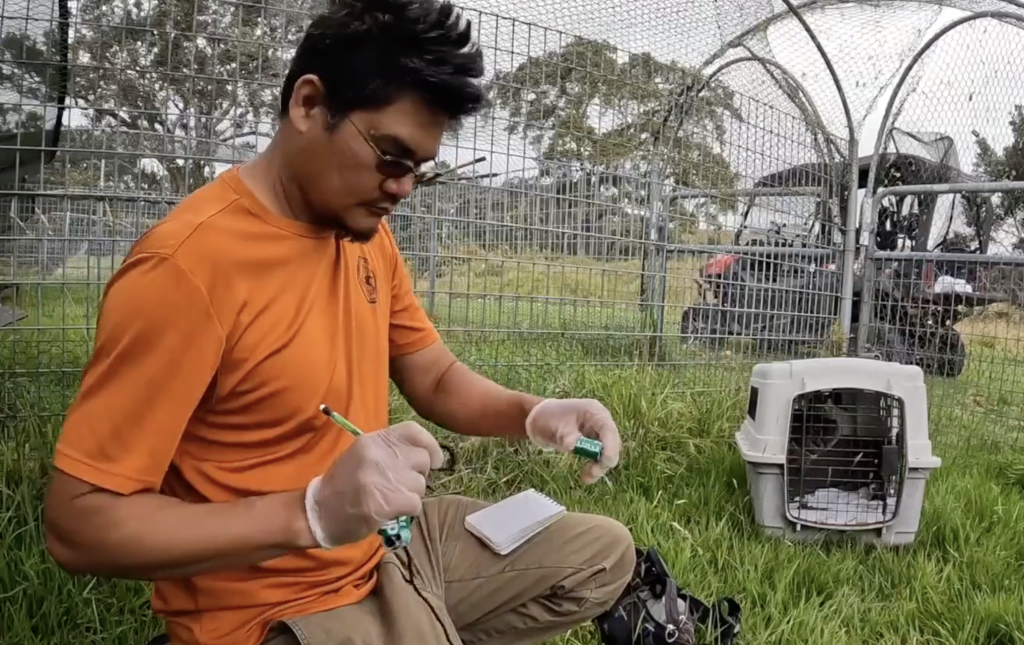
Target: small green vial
<point>396,534</point>
<point>588,448</point>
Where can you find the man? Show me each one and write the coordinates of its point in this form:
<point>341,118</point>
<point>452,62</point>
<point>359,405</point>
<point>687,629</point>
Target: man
<point>194,454</point>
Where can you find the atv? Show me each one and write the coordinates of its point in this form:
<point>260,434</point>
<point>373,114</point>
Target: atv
<point>784,302</point>
<point>784,292</point>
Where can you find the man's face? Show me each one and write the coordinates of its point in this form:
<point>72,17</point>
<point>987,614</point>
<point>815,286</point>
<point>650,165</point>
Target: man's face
<point>352,172</point>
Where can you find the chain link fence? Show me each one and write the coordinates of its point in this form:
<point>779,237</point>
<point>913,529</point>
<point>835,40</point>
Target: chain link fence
<point>665,185</point>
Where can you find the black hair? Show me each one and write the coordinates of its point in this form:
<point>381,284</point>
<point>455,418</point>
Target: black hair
<point>369,53</point>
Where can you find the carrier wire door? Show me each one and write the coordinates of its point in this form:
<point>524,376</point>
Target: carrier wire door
<point>846,458</point>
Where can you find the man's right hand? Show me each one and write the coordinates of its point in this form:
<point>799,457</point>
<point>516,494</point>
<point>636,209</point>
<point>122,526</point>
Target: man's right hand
<point>381,477</point>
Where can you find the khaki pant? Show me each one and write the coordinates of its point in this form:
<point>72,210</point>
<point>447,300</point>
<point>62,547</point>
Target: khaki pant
<point>563,577</point>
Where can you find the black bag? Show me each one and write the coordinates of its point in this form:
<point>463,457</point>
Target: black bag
<point>645,615</point>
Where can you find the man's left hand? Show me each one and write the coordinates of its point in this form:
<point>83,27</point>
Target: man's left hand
<point>558,423</point>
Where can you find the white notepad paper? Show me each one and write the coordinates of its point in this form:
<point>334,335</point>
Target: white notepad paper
<point>514,520</point>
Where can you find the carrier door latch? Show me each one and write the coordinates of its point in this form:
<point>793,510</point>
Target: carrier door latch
<point>890,466</point>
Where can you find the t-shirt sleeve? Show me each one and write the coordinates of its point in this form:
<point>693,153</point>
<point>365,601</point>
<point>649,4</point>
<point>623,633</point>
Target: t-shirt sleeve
<point>410,329</point>
<point>157,349</point>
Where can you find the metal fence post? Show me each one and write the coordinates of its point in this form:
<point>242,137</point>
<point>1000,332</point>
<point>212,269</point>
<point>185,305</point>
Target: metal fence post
<point>653,269</point>
<point>661,224</point>
<point>867,291</point>
<point>432,260</point>
<point>849,249</point>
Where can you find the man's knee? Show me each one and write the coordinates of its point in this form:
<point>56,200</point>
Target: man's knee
<point>618,558</point>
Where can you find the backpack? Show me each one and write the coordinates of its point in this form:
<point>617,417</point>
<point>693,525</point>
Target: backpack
<point>645,615</point>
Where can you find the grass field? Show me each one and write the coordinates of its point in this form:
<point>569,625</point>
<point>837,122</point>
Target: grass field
<point>570,330</point>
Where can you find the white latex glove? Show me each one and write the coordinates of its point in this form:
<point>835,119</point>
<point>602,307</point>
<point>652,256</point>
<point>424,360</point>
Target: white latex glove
<point>381,477</point>
<point>556,424</point>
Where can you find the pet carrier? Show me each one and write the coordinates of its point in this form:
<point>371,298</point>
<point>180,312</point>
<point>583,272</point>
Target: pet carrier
<point>837,446</point>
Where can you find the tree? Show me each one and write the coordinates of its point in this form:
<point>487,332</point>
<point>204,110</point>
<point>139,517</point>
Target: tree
<point>186,83</point>
<point>612,133</point>
<point>159,95</point>
<point>33,84</point>
<point>30,71</point>
<point>596,120</point>
<point>1005,165</point>
<point>552,99</point>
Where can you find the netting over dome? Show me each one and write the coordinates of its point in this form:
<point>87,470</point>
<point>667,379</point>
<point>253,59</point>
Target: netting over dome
<point>867,41</point>
<point>968,83</point>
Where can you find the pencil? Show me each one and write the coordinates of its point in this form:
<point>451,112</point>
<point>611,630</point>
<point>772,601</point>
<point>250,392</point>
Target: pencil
<point>340,420</point>
<point>396,533</point>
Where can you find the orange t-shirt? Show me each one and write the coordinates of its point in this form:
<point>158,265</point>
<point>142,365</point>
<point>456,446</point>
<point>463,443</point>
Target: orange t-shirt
<point>218,338</point>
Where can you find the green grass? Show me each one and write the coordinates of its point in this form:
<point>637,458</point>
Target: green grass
<point>681,484</point>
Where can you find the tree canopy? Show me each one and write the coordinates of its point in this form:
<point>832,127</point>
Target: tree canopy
<point>603,126</point>
<point>591,106</point>
<point>161,93</point>
<point>1005,165</point>
<point>192,81</point>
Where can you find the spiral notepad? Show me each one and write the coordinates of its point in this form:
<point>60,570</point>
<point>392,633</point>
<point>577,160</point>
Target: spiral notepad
<point>514,520</point>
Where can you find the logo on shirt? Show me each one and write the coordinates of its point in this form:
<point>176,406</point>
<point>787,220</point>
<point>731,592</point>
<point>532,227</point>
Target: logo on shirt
<point>367,281</point>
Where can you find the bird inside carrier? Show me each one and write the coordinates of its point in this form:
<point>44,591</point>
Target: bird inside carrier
<point>844,460</point>
<point>837,444</point>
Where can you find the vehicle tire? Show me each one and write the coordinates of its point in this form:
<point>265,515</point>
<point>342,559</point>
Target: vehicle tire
<point>947,353</point>
<point>703,324</point>
<point>943,354</point>
<point>694,324</point>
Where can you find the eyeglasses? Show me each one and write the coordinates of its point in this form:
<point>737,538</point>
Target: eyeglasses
<point>391,167</point>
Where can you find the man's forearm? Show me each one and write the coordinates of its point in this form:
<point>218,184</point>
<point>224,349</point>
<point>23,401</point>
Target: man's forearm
<point>149,536</point>
<point>471,404</point>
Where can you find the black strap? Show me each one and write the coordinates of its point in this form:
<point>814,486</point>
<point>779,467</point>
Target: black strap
<point>628,621</point>
<point>671,608</point>
<point>653,573</point>
<point>721,621</point>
